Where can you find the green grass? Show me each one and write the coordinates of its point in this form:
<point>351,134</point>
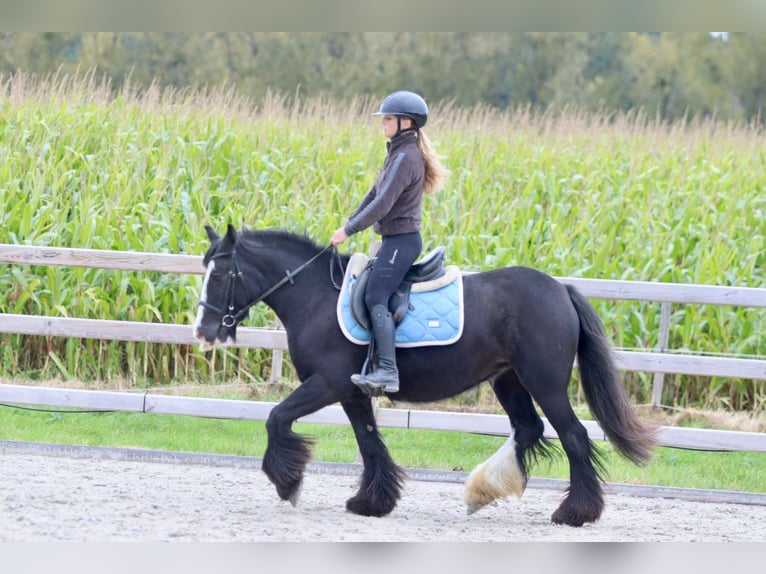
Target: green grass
<point>738,471</point>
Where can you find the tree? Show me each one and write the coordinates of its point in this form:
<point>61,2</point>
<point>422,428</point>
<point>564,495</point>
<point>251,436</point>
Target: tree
<point>745,72</point>
<point>670,75</point>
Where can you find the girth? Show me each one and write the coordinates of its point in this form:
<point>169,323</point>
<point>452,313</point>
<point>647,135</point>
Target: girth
<point>429,268</point>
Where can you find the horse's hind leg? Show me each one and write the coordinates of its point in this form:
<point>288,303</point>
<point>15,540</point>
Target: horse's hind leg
<point>584,501</point>
<point>505,472</point>
<point>381,482</point>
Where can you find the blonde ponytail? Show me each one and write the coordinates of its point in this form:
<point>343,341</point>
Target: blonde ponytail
<point>436,173</point>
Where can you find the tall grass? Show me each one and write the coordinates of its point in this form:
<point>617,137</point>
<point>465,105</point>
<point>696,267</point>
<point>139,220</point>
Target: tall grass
<point>571,193</point>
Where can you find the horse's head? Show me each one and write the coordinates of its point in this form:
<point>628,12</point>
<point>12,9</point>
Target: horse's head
<point>223,301</point>
<point>234,274</point>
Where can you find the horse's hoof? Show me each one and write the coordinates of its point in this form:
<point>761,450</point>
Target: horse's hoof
<point>295,496</point>
<point>473,508</point>
<point>561,519</point>
<point>567,516</point>
<point>363,507</point>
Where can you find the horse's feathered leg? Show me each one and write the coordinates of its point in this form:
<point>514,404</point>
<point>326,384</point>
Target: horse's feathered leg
<point>382,479</point>
<point>543,359</point>
<point>585,500</point>
<point>287,452</point>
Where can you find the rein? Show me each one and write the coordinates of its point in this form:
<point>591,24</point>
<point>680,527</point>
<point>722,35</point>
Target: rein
<point>228,317</point>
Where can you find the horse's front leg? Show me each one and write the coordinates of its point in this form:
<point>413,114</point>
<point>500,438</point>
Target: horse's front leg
<point>288,453</point>
<point>382,480</point>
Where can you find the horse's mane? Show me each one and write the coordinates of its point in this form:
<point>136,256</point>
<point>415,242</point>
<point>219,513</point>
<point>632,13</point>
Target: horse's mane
<point>261,237</point>
<point>299,243</point>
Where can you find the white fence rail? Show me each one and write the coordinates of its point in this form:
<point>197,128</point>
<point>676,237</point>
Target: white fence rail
<point>658,362</point>
<point>145,402</point>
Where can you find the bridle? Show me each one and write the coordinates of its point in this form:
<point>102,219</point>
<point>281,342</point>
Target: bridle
<point>230,318</point>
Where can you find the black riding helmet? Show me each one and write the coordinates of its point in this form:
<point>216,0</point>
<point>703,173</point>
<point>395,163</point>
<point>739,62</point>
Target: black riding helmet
<point>407,104</point>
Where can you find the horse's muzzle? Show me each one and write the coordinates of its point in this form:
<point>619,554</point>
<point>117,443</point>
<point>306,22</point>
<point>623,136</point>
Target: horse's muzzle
<point>209,340</point>
<point>204,343</point>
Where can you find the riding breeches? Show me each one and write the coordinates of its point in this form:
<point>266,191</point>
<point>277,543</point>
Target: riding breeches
<point>396,255</point>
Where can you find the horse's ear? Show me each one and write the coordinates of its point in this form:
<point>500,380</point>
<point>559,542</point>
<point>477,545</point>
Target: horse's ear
<point>211,234</point>
<point>231,234</point>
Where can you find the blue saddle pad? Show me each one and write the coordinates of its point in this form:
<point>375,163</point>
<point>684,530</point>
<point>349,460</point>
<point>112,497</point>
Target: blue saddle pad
<point>435,317</point>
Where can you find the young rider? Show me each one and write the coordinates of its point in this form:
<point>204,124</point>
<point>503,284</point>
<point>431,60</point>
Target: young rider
<point>393,206</point>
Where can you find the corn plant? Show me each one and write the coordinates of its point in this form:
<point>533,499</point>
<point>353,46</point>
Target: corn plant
<point>570,193</point>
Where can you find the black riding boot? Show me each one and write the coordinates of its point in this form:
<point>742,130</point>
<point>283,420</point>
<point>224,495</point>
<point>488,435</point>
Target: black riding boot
<point>386,376</point>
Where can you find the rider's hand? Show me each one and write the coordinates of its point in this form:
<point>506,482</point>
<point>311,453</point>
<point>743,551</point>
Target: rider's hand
<point>338,236</point>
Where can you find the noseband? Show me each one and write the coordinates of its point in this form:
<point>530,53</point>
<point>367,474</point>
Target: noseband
<point>230,318</point>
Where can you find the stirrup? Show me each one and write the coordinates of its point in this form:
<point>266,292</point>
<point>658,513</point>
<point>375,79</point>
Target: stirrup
<point>389,382</point>
<point>372,387</point>
<point>385,387</point>
<point>371,391</point>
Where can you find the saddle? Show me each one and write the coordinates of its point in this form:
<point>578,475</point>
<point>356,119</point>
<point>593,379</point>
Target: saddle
<point>429,269</point>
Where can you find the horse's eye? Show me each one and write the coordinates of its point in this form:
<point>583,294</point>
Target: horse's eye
<point>217,277</point>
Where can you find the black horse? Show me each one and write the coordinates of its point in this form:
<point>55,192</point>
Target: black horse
<point>522,332</point>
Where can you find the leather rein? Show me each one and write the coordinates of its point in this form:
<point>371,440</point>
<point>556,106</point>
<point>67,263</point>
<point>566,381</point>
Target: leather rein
<point>230,318</point>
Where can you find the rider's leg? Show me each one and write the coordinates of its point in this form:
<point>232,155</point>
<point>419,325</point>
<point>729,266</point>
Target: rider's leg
<point>386,375</point>
<point>397,254</point>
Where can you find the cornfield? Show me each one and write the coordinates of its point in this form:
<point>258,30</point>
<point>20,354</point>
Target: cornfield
<point>570,193</point>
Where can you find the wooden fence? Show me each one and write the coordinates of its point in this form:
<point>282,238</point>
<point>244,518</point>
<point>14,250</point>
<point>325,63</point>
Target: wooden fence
<point>657,362</point>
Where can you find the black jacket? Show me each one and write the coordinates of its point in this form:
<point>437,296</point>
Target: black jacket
<point>393,205</point>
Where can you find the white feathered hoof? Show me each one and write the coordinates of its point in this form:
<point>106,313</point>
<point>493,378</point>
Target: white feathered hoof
<point>489,482</point>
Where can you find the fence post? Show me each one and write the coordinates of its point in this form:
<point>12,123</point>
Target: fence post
<point>277,357</point>
<point>663,338</point>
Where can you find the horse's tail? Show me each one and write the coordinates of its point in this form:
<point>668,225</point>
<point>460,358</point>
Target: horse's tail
<point>604,391</point>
